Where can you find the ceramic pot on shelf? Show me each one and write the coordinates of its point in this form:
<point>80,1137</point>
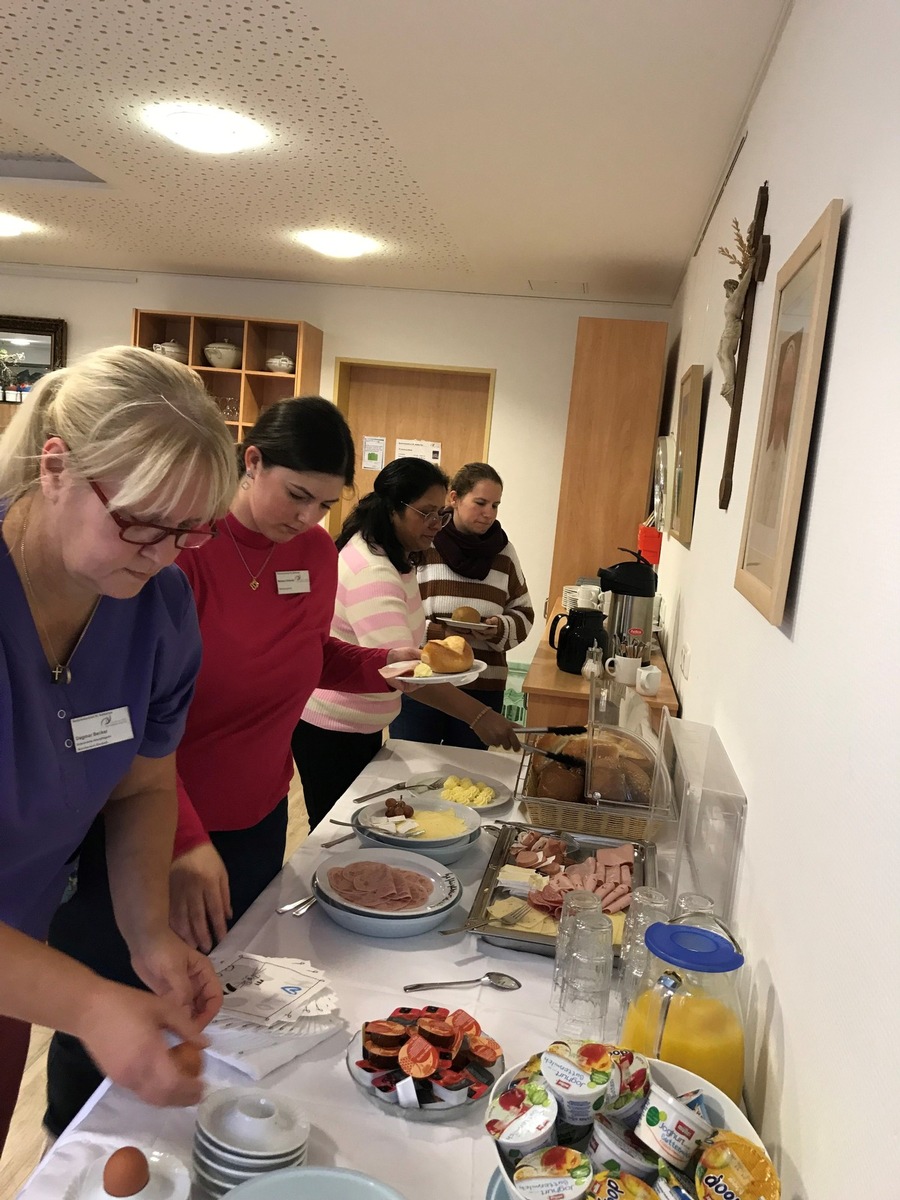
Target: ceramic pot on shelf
<point>281,364</point>
<point>223,354</point>
<point>171,349</point>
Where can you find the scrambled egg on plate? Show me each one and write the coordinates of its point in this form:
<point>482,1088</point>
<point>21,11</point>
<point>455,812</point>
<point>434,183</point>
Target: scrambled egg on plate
<point>464,791</point>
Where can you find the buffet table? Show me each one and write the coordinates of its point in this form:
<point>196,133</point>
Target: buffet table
<point>450,1160</point>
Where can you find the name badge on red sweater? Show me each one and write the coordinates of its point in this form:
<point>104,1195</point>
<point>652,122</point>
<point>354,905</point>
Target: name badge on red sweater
<point>292,583</point>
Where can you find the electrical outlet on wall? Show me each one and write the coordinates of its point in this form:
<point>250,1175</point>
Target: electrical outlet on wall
<point>685,661</point>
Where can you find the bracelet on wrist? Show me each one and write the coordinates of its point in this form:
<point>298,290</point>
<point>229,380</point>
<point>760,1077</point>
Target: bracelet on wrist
<point>485,709</point>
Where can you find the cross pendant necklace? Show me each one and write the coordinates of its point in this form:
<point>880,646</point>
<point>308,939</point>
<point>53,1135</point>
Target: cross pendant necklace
<point>60,671</point>
<point>254,579</point>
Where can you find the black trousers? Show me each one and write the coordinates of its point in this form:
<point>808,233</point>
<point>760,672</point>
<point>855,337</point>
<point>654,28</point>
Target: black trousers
<point>85,928</point>
<point>328,761</point>
<point>419,723</point>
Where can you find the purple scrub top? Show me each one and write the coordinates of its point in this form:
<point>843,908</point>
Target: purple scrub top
<point>142,653</point>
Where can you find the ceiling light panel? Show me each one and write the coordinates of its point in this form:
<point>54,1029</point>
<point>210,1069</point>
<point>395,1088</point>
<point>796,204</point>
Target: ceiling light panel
<point>205,128</point>
<point>12,225</point>
<point>328,163</point>
<point>337,243</point>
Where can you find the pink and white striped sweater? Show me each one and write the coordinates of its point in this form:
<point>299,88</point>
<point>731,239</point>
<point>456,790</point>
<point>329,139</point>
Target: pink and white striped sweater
<point>375,606</point>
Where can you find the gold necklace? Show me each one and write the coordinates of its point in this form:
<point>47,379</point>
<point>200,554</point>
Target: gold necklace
<point>61,671</point>
<point>254,579</point>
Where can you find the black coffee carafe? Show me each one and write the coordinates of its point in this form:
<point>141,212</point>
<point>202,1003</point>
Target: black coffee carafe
<point>583,627</point>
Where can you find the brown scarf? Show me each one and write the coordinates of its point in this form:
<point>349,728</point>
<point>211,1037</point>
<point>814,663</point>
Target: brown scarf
<point>470,554</point>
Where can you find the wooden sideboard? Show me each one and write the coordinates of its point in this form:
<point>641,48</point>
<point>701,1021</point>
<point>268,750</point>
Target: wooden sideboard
<point>557,698</point>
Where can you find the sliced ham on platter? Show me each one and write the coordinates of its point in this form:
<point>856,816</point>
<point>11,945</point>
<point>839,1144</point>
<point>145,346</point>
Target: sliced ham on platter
<point>379,886</point>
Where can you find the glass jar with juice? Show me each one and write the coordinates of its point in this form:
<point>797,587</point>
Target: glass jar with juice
<point>686,1010</point>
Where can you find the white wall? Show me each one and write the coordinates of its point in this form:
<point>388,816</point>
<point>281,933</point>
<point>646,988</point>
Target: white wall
<point>530,343</point>
<point>808,712</point>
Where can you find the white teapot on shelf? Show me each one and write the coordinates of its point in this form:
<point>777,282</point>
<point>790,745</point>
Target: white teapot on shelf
<point>171,349</point>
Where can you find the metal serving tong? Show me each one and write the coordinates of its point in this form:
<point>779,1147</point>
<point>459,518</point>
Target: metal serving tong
<point>553,729</point>
<point>567,760</point>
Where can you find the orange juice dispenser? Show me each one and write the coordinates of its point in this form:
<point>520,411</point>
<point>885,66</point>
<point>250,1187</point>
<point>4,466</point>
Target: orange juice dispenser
<point>686,1010</point>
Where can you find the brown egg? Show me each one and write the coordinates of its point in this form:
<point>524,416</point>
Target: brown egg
<point>188,1059</point>
<point>126,1172</point>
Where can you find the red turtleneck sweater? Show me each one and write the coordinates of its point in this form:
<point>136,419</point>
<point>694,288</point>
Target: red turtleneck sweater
<point>263,654</point>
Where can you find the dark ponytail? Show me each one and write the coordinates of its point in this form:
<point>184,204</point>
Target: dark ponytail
<point>401,482</point>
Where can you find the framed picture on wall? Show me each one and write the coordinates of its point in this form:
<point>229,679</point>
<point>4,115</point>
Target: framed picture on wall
<point>687,447</point>
<point>796,339</point>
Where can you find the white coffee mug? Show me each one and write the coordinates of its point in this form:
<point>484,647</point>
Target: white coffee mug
<point>623,670</point>
<point>648,680</point>
<point>587,596</point>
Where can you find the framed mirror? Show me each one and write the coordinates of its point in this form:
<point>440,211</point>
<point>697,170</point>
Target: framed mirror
<point>29,348</point>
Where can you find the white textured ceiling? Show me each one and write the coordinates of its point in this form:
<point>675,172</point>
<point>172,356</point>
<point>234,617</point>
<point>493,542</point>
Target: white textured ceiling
<point>575,144</point>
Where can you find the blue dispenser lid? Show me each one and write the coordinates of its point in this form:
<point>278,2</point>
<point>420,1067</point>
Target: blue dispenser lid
<point>692,948</point>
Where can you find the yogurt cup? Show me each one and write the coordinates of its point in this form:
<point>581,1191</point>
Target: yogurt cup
<point>614,1148</point>
<point>557,1173</point>
<point>610,1185</point>
<point>521,1118</point>
<point>731,1166</point>
<point>628,1086</point>
<point>670,1128</point>
<point>577,1074</point>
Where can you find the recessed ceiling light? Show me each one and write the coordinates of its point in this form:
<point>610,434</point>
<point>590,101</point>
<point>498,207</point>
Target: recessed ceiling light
<point>337,243</point>
<point>204,128</point>
<point>12,226</point>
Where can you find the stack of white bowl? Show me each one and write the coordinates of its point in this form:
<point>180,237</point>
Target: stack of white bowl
<point>243,1132</point>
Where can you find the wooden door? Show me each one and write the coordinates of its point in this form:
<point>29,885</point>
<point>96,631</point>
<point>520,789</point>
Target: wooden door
<point>391,401</point>
<point>610,445</point>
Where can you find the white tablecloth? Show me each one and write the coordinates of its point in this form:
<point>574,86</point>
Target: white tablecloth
<point>444,1161</point>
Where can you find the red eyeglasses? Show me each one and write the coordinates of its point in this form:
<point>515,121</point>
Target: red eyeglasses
<point>141,533</point>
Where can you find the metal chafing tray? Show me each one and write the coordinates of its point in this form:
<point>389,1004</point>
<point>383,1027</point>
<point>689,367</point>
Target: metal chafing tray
<point>478,921</point>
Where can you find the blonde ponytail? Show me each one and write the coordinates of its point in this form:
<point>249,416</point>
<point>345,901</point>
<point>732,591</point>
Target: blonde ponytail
<point>20,445</point>
<point>131,416</point>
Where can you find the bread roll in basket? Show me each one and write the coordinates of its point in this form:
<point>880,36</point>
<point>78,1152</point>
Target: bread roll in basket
<point>449,656</point>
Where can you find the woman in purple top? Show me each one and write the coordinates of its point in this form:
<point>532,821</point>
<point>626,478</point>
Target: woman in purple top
<point>109,469</point>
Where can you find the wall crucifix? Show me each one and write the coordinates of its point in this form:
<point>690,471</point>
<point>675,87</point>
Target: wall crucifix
<point>740,300</point>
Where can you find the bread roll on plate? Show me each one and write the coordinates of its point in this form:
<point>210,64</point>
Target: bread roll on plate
<point>448,656</point>
<point>465,613</point>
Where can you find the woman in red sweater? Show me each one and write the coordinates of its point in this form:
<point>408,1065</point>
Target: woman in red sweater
<point>264,590</point>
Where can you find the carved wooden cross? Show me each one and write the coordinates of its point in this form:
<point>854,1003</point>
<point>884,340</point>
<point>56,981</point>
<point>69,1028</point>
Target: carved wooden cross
<point>759,248</point>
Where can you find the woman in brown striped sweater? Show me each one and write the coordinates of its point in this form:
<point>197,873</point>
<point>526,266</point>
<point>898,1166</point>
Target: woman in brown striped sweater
<point>471,563</point>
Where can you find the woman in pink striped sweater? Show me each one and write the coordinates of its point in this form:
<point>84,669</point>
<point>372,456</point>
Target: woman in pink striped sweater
<point>378,604</point>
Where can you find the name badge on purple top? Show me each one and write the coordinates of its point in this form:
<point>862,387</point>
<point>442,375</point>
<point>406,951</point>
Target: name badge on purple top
<point>101,729</point>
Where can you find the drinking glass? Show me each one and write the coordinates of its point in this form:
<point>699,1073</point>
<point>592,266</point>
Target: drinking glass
<point>695,904</point>
<point>573,904</point>
<point>647,905</point>
<point>586,977</point>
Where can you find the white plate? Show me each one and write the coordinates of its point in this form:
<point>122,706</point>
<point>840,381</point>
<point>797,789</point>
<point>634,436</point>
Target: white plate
<point>315,1183</point>
<point>403,673</point>
<point>466,626</point>
<point>445,887</point>
<point>439,1111</point>
<point>363,817</point>
<point>504,794</point>
<point>169,1178</point>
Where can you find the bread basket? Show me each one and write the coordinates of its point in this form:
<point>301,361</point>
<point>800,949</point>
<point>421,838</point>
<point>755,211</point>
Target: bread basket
<point>624,796</point>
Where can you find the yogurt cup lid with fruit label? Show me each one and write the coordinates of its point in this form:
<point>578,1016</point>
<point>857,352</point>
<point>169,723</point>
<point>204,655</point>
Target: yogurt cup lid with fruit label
<point>628,1085</point>
<point>610,1185</point>
<point>613,1147</point>
<point>522,1112</point>
<point>732,1168</point>
<point>579,1068</point>
<point>670,1128</point>
<point>556,1173</point>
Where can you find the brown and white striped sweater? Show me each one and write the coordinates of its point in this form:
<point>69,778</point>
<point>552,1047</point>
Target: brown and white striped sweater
<point>502,593</point>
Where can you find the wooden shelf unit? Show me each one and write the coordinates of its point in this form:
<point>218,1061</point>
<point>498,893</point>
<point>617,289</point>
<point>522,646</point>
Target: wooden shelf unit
<point>251,386</point>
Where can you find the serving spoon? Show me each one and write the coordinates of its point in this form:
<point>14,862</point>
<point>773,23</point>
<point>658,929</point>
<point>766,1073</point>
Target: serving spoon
<point>496,979</point>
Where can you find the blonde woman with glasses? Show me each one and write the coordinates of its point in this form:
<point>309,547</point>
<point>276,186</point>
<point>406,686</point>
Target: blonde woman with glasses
<point>111,467</point>
<point>378,604</point>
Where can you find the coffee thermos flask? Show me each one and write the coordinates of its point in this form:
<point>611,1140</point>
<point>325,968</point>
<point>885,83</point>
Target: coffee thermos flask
<point>632,587</point>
